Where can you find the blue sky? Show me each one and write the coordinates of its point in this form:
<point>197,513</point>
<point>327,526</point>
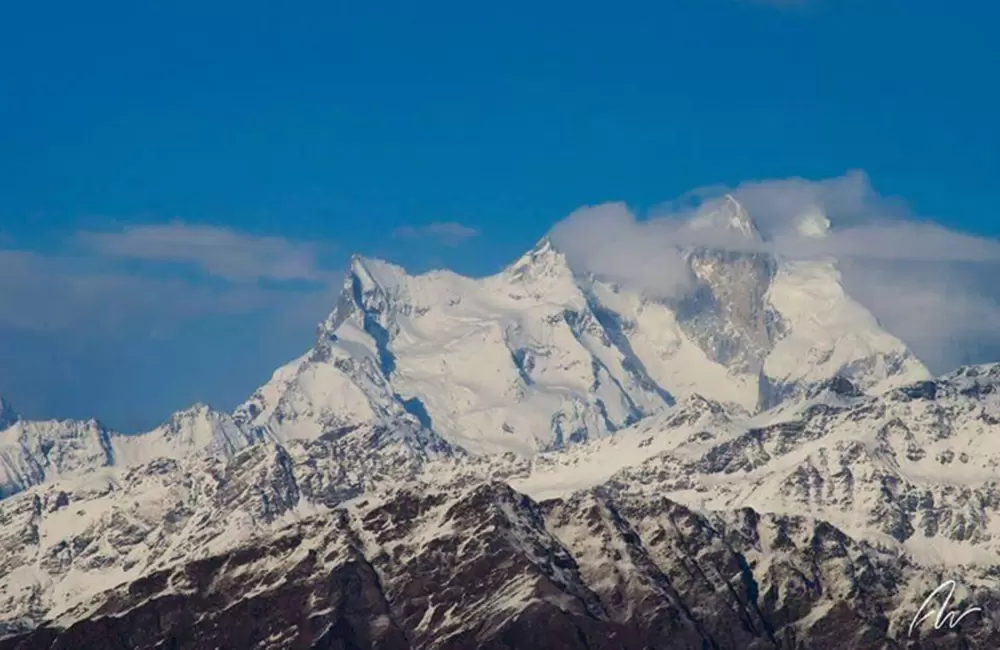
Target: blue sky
<point>280,141</point>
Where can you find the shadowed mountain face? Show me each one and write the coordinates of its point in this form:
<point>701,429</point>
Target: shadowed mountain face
<point>829,523</point>
<point>378,538</point>
<point>727,313</point>
<point>732,287</point>
<point>486,567</point>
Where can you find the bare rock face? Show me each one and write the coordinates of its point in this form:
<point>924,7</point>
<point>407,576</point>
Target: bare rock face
<point>728,313</point>
<point>486,567</point>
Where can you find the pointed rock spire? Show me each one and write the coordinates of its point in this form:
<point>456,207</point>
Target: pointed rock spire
<point>375,271</point>
<point>368,283</point>
<point>542,261</point>
<point>727,215</point>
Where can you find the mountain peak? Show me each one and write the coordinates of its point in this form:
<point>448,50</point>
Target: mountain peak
<point>371,272</point>
<point>198,409</point>
<point>544,260</point>
<point>727,215</point>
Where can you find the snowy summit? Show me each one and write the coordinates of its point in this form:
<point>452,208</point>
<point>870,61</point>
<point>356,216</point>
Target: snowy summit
<point>762,426</point>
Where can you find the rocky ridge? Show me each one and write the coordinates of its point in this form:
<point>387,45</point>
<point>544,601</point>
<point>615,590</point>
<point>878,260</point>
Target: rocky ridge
<point>541,458</point>
<point>79,548</point>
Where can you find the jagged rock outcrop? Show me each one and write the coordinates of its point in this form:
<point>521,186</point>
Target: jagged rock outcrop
<point>486,567</point>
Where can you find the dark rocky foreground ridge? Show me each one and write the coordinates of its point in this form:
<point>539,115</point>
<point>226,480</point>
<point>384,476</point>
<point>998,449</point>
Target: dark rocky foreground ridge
<point>483,566</point>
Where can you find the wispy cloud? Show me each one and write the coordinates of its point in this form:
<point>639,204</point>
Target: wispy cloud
<point>220,252</point>
<point>87,290</point>
<point>53,294</point>
<point>449,233</point>
<point>209,320</point>
<point>947,313</point>
<point>929,285</point>
<point>609,241</point>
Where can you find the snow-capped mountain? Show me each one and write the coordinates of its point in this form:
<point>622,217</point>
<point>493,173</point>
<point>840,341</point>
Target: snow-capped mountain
<point>368,541</point>
<point>35,452</point>
<point>199,429</point>
<point>918,467</point>
<point>537,357</point>
<point>518,361</point>
<point>541,355</point>
<point>540,458</point>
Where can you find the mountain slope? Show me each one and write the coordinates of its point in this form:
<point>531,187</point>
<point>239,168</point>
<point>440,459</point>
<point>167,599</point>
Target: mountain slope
<point>911,474</point>
<point>534,358</point>
<point>33,452</point>
<point>540,458</point>
<point>68,539</point>
<point>515,362</point>
<point>540,355</point>
<point>452,566</point>
<point>917,468</point>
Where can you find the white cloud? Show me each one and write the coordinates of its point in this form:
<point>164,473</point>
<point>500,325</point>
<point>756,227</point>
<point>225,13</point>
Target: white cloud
<point>946,313</point>
<point>609,241</point>
<point>80,336</point>
<point>868,225</point>
<point>902,241</point>
<point>221,252</point>
<point>55,294</point>
<point>88,291</point>
<point>449,233</point>
<point>929,285</point>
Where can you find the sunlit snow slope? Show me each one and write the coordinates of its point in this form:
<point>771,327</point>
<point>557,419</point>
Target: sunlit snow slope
<point>541,355</point>
<point>534,358</point>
